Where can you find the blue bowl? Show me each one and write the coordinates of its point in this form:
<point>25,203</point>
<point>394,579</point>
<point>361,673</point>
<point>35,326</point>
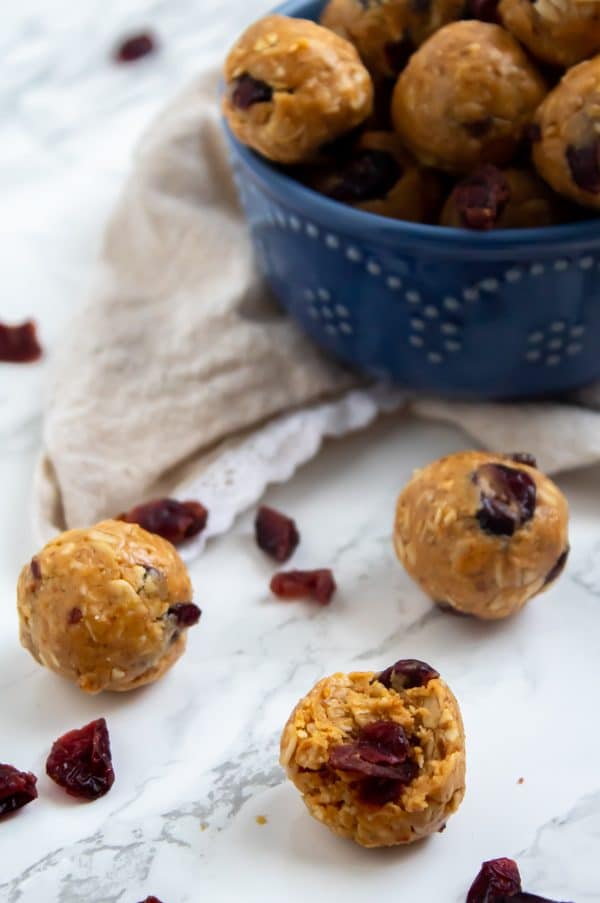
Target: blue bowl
<point>499,315</point>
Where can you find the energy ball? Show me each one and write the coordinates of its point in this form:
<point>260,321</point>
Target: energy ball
<point>378,758</point>
<point>491,198</point>
<point>107,607</point>
<point>482,533</point>
<point>381,177</point>
<point>466,97</point>
<point>567,152</point>
<point>293,86</point>
<point>558,32</point>
<point>387,32</point>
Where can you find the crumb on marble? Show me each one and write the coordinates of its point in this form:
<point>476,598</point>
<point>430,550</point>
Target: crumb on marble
<point>521,781</point>
<point>261,819</point>
<point>204,826</point>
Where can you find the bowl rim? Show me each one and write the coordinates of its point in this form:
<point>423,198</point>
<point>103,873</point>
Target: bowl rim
<point>325,208</point>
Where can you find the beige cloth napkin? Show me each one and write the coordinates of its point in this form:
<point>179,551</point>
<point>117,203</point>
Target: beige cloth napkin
<point>182,376</point>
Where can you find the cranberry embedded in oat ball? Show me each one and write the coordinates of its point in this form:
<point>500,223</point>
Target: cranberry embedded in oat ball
<point>293,86</point>
<point>107,607</point>
<point>483,532</point>
<point>387,33</point>
<point>380,764</point>
<point>567,154</point>
<point>491,198</point>
<point>380,176</point>
<point>466,97</point>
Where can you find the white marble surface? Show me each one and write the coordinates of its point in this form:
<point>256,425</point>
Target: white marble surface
<point>196,756</point>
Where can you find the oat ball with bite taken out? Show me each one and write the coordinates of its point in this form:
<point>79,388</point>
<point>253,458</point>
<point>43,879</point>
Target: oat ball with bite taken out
<point>387,32</point>
<point>491,198</point>
<point>566,151</point>
<point>106,607</point>
<point>558,32</point>
<point>378,758</point>
<point>381,177</point>
<point>466,97</point>
<point>293,86</point>
<point>482,533</point>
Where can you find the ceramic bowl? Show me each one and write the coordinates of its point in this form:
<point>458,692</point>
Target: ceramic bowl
<point>504,314</point>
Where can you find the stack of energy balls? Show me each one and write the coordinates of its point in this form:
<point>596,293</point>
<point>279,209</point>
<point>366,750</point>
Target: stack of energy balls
<point>430,111</point>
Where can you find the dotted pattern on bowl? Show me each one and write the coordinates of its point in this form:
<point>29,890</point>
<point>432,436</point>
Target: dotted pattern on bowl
<point>437,328</point>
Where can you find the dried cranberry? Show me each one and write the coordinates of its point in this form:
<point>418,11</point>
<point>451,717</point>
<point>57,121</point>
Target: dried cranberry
<point>186,614</point>
<point>36,568</point>
<point>246,91</point>
<point>386,736</point>
<point>318,585</point>
<point>369,175</point>
<point>558,568</point>
<point>80,761</point>
<point>17,788</point>
<point>508,498</point>
<point>75,616</point>
<point>379,791</point>
<point>380,752</point>
<point>407,674</point>
<point>173,520</point>
<point>584,163</point>
<point>135,47</point>
<point>19,344</point>
<point>486,10</point>
<point>276,534</point>
<point>398,53</point>
<point>524,458</point>
<point>151,900</point>
<point>496,877</point>
<point>481,198</point>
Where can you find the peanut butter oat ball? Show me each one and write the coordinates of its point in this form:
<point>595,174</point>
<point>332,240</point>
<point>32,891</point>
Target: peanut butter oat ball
<point>567,154</point>
<point>482,533</point>
<point>387,32</point>
<point>293,86</point>
<point>491,198</point>
<point>559,32</point>
<point>107,607</point>
<point>466,97</point>
<point>378,758</point>
<point>380,176</point>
